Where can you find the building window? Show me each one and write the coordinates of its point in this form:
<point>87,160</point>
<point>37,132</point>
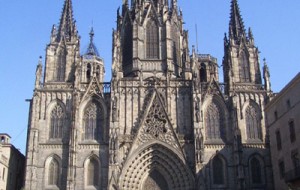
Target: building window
<point>152,40</point>
<point>60,69</point>
<point>253,123</point>
<point>218,171</point>
<point>256,171</point>
<point>93,173</point>
<point>281,169</point>
<point>98,72</point>
<point>288,104</point>
<point>88,72</point>
<point>278,140</point>
<point>57,122</point>
<point>213,122</point>
<point>203,76</point>
<point>92,121</point>
<point>292,131</point>
<point>244,68</point>
<point>276,115</point>
<point>53,176</point>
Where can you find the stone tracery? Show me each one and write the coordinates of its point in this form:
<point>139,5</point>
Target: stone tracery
<point>160,158</point>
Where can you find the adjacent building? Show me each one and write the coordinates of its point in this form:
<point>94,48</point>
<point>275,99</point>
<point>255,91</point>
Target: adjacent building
<point>165,121</point>
<point>283,120</point>
<point>12,165</point>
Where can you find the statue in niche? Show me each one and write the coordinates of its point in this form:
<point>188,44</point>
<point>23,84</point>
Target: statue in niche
<point>115,110</point>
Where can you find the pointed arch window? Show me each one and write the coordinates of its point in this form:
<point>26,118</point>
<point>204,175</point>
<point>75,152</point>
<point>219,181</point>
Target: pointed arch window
<point>93,173</point>
<point>203,76</point>
<point>253,123</point>
<point>256,174</point>
<point>218,171</point>
<point>53,176</point>
<point>59,74</point>
<point>152,40</point>
<point>244,68</point>
<point>214,120</point>
<point>98,71</point>
<point>92,121</point>
<point>88,71</point>
<point>57,119</point>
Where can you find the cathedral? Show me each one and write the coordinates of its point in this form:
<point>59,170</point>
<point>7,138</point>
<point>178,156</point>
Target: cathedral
<point>164,122</point>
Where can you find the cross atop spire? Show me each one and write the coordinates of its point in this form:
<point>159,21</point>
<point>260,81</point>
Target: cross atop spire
<point>92,50</point>
<point>67,27</point>
<point>236,24</point>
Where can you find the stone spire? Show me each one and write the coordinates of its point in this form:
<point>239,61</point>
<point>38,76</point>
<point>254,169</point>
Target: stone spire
<point>67,28</point>
<point>92,50</point>
<point>236,24</point>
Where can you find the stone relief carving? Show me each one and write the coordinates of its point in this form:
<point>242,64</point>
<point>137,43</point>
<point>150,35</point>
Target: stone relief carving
<point>156,126</point>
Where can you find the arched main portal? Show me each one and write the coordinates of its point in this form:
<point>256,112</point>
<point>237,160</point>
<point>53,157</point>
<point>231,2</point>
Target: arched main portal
<point>158,167</point>
<point>155,181</point>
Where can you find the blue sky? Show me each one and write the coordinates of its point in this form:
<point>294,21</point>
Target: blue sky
<point>26,25</point>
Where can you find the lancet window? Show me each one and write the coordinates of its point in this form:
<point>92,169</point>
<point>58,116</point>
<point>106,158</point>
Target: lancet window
<point>244,68</point>
<point>53,175</point>
<point>152,40</point>
<point>93,173</point>
<point>218,171</point>
<point>92,121</point>
<point>88,71</point>
<point>253,123</point>
<point>256,172</point>
<point>59,74</point>
<point>214,122</point>
<point>57,119</point>
<point>98,71</point>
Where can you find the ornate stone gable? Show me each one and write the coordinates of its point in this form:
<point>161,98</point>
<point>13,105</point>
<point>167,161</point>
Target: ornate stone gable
<point>155,125</point>
<point>213,88</point>
<point>94,88</point>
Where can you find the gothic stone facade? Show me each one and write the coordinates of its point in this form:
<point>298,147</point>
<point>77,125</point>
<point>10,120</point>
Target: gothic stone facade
<point>165,121</point>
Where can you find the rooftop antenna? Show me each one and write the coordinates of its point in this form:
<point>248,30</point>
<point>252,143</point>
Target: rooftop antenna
<point>197,39</point>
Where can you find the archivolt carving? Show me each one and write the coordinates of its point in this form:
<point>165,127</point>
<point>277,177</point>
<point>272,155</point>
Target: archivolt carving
<point>159,158</point>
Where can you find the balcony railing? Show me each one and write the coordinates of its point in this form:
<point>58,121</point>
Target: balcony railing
<point>292,175</point>
<point>106,87</point>
<point>207,57</point>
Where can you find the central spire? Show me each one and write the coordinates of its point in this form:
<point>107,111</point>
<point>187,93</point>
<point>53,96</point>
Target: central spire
<point>67,27</point>
<point>236,24</point>
<point>92,50</point>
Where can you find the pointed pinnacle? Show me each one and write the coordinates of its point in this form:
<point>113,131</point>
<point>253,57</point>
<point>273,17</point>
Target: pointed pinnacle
<point>236,22</point>
<point>67,24</point>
